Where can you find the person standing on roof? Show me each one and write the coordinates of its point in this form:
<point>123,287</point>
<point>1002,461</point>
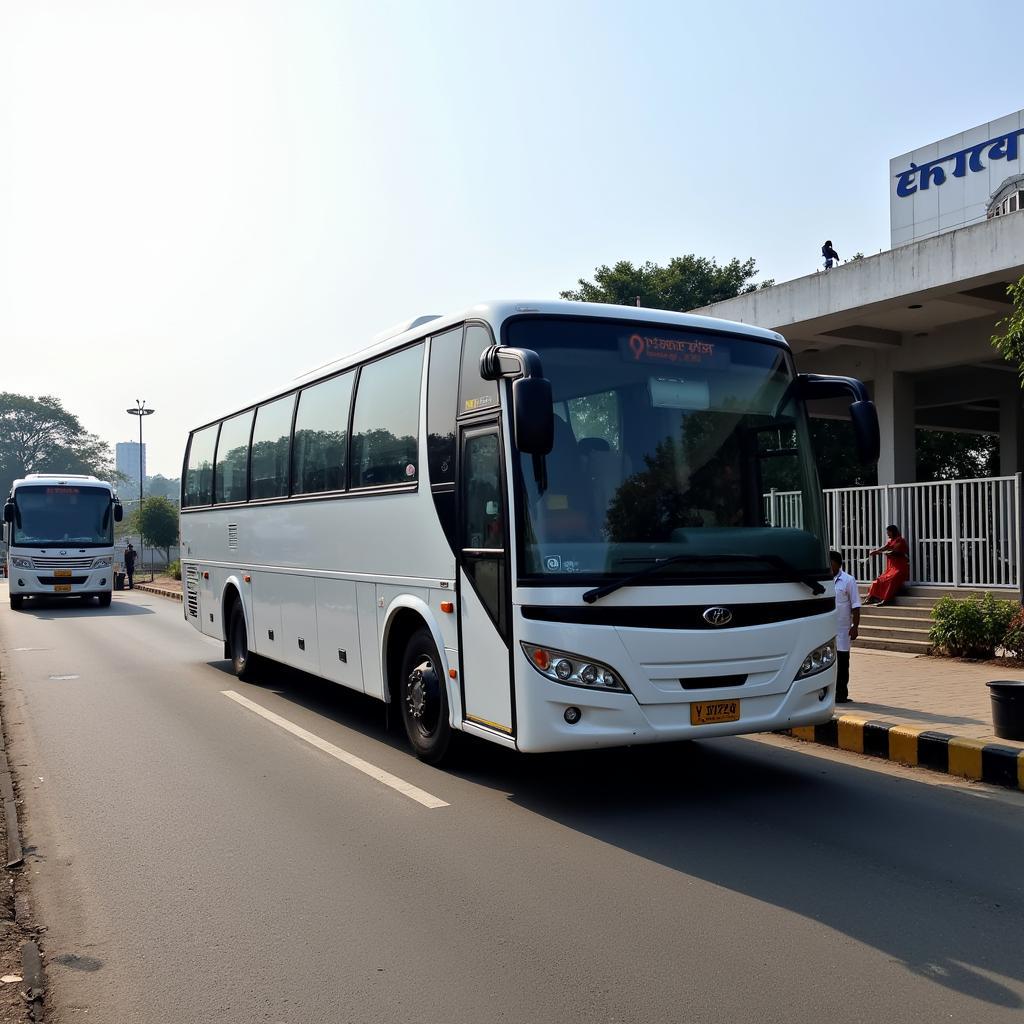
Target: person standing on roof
<point>830,254</point>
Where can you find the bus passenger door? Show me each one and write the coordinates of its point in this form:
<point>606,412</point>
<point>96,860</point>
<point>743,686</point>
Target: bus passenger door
<point>483,582</point>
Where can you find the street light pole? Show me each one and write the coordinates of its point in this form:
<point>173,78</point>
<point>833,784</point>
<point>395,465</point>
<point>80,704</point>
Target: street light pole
<point>140,411</point>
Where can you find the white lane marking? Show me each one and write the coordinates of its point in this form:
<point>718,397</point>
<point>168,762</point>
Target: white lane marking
<point>400,785</point>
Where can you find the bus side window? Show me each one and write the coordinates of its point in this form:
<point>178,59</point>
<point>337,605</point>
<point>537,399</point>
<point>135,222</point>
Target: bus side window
<point>442,395</point>
<point>475,393</point>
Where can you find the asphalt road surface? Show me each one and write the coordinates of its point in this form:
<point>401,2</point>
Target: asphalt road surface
<point>196,860</point>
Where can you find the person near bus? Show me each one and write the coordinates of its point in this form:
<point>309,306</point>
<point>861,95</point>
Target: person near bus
<point>847,624</point>
<point>897,568</point>
<point>129,564</point>
<point>830,255</point>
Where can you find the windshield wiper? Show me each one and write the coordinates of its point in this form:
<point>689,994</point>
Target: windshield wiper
<point>791,572</point>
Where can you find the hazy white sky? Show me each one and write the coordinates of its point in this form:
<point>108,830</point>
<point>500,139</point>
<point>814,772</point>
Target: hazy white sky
<point>200,199</point>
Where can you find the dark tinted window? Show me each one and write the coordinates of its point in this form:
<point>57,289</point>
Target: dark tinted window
<point>321,435</point>
<point>231,474</point>
<point>199,474</point>
<point>270,439</point>
<point>475,393</point>
<point>385,424</point>
<point>442,396</point>
<point>483,523</point>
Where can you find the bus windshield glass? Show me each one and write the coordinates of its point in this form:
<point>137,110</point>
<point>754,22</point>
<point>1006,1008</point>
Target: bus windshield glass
<point>54,515</point>
<point>668,443</point>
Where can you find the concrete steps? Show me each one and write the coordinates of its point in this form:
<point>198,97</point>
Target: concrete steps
<point>903,623</point>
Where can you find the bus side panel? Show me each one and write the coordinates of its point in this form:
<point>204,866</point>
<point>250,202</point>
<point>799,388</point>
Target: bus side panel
<point>209,606</point>
<point>337,628</point>
<point>298,622</point>
<point>266,616</point>
<point>369,639</point>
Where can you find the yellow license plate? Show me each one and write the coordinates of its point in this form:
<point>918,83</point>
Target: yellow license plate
<point>62,588</point>
<point>712,711</point>
<point>61,572</point>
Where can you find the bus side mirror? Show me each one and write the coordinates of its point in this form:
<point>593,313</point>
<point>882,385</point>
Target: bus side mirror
<point>533,415</point>
<point>8,511</point>
<point>865,431</point>
<point>118,512</point>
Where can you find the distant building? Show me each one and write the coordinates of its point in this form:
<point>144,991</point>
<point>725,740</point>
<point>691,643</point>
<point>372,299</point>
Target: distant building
<point>127,458</point>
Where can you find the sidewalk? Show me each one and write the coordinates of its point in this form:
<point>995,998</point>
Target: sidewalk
<point>928,711</point>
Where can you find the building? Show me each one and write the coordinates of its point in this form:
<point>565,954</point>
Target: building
<point>126,454</point>
<point>916,323</point>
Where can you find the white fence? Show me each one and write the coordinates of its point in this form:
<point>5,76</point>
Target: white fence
<point>961,533</point>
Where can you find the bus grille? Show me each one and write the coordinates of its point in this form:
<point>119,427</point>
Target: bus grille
<point>62,563</point>
<point>52,581</point>
<point>192,590</point>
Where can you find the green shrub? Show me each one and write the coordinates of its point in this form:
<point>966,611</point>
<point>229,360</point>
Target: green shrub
<point>972,627</point>
<point>1013,641</point>
<point>174,569</point>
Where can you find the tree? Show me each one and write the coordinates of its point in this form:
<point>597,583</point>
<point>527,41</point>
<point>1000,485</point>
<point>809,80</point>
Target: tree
<point>685,282</point>
<point>1009,339</point>
<point>157,523</point>
<point>161,486</point>
<point>38,435</point>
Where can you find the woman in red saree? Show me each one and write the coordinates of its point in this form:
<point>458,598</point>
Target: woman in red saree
<point>897,568</point>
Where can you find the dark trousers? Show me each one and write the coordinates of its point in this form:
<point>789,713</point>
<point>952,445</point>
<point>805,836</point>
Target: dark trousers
<point>842,674</point>
<point>130,571</point>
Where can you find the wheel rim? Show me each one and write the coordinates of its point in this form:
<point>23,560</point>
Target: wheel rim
<point>423,696</point>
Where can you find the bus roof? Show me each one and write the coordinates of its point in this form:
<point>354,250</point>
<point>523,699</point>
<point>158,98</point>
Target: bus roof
<point>60,479</point>
<point>497,311</point>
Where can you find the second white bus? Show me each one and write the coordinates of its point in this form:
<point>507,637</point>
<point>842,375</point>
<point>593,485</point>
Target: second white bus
<point>542,524</point>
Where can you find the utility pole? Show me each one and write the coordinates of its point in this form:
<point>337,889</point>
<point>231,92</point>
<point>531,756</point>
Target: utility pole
<point>141,411</point>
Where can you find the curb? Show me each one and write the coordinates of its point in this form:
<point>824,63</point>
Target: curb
<point>995,763</point>
<point>174,595</point>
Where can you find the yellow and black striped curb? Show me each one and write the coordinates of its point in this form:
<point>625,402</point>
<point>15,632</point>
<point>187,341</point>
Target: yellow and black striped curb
<point>995,763</point>
<point>174,595</point>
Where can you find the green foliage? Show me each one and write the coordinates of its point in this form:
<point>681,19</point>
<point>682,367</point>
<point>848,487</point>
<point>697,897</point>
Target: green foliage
<point>685,282</point>
<point>156,522</point>
<point>972,627</point>
<point>38,435</point>
<point>1010,337</point>
<point>946,455</point>
<point>164,487</point>
<point>836,455</point>
<point>174,569</point>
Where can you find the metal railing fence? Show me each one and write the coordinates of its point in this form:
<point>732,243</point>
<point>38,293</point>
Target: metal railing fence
<point>961,533</point>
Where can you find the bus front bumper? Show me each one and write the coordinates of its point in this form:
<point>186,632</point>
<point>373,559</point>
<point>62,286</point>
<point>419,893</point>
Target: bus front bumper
<point>44,583</point>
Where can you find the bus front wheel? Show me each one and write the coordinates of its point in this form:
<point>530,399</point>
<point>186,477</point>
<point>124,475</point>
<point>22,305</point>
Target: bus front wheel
<point>423,699</point>
<point>16,601</point>
<point>104,599</point>
<point>243,661</point>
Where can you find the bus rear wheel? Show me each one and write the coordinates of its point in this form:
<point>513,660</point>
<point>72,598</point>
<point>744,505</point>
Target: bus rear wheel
<point>243,661</point>
<point>423,698</point>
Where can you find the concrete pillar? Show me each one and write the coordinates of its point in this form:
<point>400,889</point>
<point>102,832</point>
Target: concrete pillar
<point>894,399</point>
<point>1009,432</point>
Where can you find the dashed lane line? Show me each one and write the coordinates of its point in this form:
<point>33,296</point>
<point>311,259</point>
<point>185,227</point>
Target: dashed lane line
<point>386,778</point>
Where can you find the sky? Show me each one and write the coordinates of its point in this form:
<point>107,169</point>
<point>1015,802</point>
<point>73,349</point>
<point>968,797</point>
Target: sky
<point>202,199</point>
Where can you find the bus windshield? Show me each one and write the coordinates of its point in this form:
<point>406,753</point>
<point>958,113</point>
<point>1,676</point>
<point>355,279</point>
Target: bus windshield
<point>668,443</point>
<point>51,516</point>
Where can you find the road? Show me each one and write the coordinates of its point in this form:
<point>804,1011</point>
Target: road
<point>193,860</point>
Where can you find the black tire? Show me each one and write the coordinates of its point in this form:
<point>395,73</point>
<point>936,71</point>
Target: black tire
<point>17,600</point>
<point>423,699</point>
<point>104,599</point>
<point>243,661</point>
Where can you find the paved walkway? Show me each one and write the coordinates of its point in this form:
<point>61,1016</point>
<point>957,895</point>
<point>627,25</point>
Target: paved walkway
<point>941,694</point>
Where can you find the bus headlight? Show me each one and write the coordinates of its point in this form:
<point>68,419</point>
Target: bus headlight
<point>102,563</point>
<point>21,563</point>
<point>818,660</point>
<point>572,670</point>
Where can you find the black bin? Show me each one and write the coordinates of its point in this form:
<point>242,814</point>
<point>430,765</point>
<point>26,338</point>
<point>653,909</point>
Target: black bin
<point>1007,708</point>
<point>119,581</point>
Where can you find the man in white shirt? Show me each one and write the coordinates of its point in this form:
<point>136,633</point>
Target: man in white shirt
<point>847,624</point>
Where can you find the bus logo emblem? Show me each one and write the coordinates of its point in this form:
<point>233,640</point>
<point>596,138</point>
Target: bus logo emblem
<point>717,616</point>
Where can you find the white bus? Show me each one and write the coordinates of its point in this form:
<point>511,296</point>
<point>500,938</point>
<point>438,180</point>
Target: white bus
<point>59,530</point>
<point>542,524</point>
